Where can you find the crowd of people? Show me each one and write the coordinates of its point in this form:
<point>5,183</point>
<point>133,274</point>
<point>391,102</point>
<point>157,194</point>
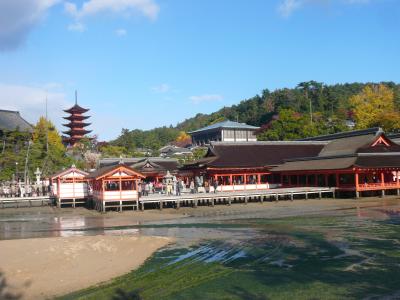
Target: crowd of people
<point>176,186</point>
<point>12,189</point>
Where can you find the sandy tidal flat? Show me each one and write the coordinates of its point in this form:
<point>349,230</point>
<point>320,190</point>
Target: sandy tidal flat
<point>47,267</point>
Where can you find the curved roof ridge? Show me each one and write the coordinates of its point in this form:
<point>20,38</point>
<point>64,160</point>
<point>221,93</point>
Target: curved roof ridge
<point>345,134</point>
<point>225,124</point>
<point>255,143</point>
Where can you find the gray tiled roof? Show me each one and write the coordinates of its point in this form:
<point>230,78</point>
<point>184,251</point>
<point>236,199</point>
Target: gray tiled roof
<point>12,120</point>
<point>226,124</point>
<point>345,134</point>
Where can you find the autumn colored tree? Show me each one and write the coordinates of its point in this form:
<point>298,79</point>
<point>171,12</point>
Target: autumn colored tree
<point>183,139</point>
<point>375,106</point>
<point>47,152</point>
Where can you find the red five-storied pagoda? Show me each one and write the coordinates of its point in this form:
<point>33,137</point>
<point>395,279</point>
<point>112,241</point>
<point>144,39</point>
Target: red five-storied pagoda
<point>76,124</point>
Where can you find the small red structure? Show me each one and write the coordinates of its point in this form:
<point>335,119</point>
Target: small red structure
<point>115,187</point>
<point>70,187</point>
<point>76,125</point>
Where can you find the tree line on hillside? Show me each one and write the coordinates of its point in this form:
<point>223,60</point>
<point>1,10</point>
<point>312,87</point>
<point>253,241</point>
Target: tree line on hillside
<point>23,152</point>
<point>311,108</point>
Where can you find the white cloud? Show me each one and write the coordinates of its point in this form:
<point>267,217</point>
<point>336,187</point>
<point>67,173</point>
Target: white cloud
<point>287,7</point>
<point>121,32</point>
<point>18,18</point>
<point>206,98</point>
<point>70,8</point>
<point>30,101</point>
<point>79,27</point>
<point>162,88</point>
<point>148,8</point>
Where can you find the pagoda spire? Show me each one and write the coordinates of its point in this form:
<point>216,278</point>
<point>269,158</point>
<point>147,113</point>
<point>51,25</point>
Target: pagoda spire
<point>76,97</point>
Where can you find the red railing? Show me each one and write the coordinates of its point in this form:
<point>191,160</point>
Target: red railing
<point>378,185</point>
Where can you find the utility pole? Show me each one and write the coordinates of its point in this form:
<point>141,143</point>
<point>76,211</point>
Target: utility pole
<point>47,131</point>
<point>26,162</point>
<point>309,99</point>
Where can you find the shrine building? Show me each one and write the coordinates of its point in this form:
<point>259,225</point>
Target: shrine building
<point>70,187</point>
<point>356,162</point>
<point>359,162</point>
<point>246,165</point>
<point>115,186</point>
<point>225,131</point>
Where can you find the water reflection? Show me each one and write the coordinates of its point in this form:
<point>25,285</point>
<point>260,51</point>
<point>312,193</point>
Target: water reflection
<point>205,224</point>
<point>18,227</point>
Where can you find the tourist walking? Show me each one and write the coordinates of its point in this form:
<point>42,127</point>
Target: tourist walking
<point>178,188</point>
<point>215,185</point>
<point>191,186</point>
<point>22,191</point>
<point>29,190</point>
<point>140,189</point>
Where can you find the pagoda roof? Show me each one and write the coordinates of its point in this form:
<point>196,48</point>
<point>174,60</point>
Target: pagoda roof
<point>76,124</point>
<point>76,117</point>
<point>77,130</point>
<point>76,109</point>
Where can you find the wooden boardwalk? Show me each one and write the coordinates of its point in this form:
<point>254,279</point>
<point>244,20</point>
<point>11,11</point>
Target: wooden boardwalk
<point>193,200</point>
<point>25,201</point>
<point>228,198</point>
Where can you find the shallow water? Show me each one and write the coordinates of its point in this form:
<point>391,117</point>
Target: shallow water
<point>352,254</point>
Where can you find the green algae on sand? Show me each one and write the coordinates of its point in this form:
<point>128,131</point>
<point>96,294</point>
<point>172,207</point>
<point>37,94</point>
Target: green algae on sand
<point>320,257</point>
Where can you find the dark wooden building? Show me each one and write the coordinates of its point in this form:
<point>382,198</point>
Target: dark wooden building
<point>357,161</point>
<point>247,166</point>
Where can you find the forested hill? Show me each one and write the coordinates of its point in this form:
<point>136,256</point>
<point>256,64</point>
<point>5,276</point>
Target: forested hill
<point>330,104</point>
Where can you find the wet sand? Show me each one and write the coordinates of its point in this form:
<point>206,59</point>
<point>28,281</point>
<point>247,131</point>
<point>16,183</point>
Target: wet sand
<point>47,267</point>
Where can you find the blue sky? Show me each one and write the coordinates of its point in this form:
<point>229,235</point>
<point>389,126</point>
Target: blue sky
<point>147,63</point>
